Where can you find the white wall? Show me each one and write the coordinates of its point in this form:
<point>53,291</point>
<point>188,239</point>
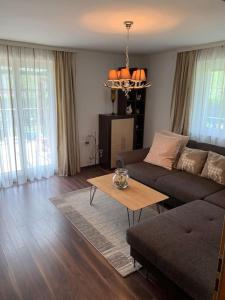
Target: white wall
<point>91,96</point>
<point>161,69</point>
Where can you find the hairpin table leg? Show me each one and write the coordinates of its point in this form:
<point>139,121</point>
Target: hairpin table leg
<point>134,263</point>
<point>139,218</point>
<point>92,193</point>
<point>133,217</point>
<point>128,216</point>
<point>158,208</point>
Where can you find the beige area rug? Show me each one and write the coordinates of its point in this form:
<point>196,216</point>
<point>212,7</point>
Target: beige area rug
<point>103,224</point>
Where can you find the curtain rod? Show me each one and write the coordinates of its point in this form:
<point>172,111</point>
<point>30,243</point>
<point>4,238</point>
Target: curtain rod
<point>34,45</point>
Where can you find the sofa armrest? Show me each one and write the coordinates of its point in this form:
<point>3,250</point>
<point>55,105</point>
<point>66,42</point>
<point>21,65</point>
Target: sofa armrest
<point>130,157</point>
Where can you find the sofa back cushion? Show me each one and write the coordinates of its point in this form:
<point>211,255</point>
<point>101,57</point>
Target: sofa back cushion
<point>206,147</point>
<point>164,151</point>
<point>192,160</point>
<point>215,168</point>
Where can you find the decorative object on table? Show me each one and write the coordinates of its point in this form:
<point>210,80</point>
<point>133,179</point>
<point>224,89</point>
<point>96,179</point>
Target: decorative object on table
<point>120,179</point>
<point>122,79</point>
<point>113,99</point>
<point>137,111</point>
<point>129,110</point>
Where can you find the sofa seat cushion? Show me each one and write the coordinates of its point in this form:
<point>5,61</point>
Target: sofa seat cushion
<point>217,199</point>
<point>147,173</point>
<point>187,187</point>
<point>183,244</point>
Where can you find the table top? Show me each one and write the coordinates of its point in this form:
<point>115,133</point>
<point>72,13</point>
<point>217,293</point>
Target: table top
<point>135,197</point>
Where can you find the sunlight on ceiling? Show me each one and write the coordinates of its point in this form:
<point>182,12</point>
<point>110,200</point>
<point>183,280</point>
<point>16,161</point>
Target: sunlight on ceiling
<point>146,20</point>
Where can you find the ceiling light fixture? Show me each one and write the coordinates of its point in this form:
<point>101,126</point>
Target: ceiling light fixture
<point>123,79</point>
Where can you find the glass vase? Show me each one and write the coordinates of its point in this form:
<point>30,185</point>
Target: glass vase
<point>120,179</point>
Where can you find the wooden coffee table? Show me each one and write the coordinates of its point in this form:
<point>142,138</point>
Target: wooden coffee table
<point>136,197</point>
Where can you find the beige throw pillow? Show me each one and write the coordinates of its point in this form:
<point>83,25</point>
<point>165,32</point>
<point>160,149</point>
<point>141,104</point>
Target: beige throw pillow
<point>183,138</point>
<point>183,142</point>
<point>215,168</point>
<point>164,151</point>
<point>192,160</point>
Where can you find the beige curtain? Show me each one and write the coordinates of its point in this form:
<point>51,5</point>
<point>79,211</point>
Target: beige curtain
<point>183,79</point>
<point>67,134</point>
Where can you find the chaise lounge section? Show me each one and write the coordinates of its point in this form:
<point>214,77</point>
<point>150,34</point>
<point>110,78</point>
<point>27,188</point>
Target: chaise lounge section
<point>182,243</point>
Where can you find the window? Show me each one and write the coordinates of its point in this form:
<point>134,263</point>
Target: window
<point>207,118</point>
<point>27,115</point>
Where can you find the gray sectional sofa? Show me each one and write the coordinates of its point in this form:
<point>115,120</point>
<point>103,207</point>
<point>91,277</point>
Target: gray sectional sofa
<point>182,243</point>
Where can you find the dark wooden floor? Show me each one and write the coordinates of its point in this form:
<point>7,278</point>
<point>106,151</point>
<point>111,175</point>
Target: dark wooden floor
<point>43,257</point>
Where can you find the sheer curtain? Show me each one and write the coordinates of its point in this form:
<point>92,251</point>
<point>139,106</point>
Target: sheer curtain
<point>27,115</point>
<point>207,117</point>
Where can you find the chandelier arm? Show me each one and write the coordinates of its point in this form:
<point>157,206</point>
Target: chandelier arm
<point>148,84</point>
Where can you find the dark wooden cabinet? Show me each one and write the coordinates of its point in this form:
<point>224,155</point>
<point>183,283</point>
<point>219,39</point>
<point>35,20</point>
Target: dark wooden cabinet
<point>116,134</point>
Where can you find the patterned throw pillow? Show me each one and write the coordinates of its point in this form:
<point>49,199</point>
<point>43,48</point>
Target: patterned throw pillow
<point>192,160</point>
<point>215,168</point>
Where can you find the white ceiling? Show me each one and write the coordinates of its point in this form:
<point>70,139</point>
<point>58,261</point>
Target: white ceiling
<point>98,24</point>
